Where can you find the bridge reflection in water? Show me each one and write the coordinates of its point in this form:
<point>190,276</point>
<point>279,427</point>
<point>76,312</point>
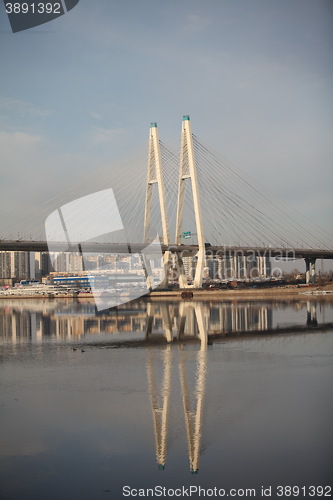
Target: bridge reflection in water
<point>194,322</point>
<point>144,323</point>
<point>192,406</point>
<point>164,329</point>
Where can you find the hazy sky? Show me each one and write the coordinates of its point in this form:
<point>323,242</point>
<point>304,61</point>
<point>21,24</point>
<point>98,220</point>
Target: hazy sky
<point>254,75</point>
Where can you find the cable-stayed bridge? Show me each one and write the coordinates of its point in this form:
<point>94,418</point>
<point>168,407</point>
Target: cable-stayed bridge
<point>199,205</point>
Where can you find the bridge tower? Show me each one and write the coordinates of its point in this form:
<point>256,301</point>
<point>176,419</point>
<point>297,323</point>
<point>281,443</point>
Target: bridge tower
<point>188,171</point>
<point>155,176</point>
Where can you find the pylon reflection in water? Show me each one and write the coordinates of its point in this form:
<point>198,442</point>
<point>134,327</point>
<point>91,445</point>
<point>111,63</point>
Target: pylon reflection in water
<point>160,402</point>
<point>160,397</point>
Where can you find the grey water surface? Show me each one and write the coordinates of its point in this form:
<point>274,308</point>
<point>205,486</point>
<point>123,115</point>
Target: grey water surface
<point>91,407</point>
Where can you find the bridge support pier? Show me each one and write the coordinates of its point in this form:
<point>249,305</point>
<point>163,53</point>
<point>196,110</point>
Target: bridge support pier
<point>310,270</point>
<point>245,273</point>
<point>219,267</point>
<point>182,278</point>
<point>307,270</point>
<point>230,268</point>
<point>235,266</point>
<point>262,266</point>
<point>313,270</point>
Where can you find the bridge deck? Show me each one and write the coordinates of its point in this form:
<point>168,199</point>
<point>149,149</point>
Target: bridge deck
<point>96,247</point>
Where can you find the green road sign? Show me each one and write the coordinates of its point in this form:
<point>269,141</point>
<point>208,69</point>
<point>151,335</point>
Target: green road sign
<point>186,234</point>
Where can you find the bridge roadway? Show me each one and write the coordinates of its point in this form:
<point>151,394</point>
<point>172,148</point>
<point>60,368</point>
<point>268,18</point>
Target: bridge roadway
<point>103,248</point>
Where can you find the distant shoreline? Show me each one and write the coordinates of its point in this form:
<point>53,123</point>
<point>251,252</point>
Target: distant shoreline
<point>275,293</point>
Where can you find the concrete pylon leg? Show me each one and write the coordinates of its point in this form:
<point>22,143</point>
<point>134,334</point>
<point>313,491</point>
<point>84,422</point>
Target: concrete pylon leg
<point>182,278</point>
<point>258,263</point>
<point>231,266</point>
<point>148,272</point>
<point>261,266</point>
<point>188,171</point>
<point>219,267</point>
<point>307,270</point>
<point>244,267</point>
<point>264,267</point>
<point>313,270</point>
<point>166,268</point>
<point>235,262</point>
<point>155,176</point>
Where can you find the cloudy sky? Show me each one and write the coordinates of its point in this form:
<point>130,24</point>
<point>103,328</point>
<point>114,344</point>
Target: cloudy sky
<point>254,75</point>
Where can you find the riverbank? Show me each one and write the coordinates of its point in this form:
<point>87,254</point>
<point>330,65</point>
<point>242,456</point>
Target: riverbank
<point>294,292</point>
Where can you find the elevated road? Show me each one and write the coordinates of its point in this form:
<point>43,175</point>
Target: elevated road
<point>104,248</point>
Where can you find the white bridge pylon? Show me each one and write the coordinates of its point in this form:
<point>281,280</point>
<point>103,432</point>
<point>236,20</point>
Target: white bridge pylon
<point>187,171</point>
<point>155,176</point>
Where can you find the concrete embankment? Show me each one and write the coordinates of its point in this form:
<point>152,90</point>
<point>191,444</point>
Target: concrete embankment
<point>291,292</point>
<point>274,293</point>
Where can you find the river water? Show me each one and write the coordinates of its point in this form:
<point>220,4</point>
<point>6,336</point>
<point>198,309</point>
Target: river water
<point>229,395</point>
